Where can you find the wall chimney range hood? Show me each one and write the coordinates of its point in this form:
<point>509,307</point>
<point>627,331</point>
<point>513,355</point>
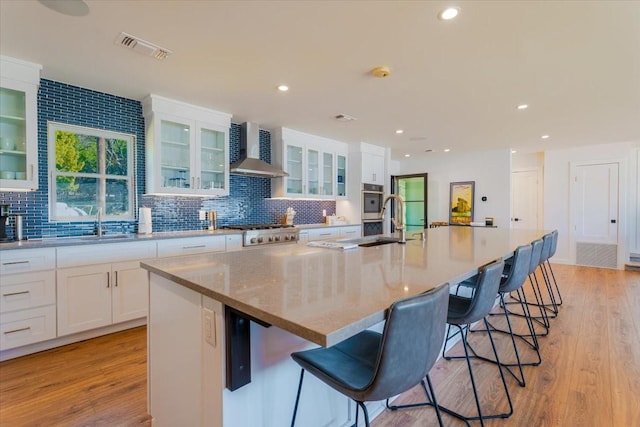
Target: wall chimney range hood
<point>250,163</point>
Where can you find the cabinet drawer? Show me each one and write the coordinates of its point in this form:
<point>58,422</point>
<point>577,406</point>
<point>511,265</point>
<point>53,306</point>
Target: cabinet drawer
<point>27,260</point>
<point>28,290</point>
<point>324,233</point>
<point>72,256</point>
<point>191,245</point>
<point>352,231</point>
<point>27,327</point>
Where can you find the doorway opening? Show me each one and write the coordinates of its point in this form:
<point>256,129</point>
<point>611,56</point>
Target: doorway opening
<point>413,190</point>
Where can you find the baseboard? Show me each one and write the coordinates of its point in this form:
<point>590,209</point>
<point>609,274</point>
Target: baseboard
<point>632,266</point>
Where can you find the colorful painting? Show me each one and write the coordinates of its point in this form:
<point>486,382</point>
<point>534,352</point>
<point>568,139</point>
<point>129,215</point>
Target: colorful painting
<point>461,203</point>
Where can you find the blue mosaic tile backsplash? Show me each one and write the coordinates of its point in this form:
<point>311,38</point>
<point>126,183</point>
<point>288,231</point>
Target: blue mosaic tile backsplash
<point>247,203</point>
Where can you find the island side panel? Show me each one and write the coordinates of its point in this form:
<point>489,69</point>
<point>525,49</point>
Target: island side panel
<point>176,356</point>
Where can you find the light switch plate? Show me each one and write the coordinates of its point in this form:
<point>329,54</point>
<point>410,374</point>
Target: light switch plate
<point>209,326</point>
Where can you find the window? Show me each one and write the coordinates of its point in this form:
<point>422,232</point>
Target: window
<point>90,169</point>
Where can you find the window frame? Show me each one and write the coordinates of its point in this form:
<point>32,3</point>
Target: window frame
<point>130,178</point>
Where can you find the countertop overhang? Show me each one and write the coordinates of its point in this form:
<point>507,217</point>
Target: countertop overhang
<point>326,295</point>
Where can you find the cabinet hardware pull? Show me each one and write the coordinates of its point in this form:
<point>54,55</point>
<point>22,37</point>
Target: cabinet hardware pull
<point>194,247</point>
<point>15,293</point>
<point>17,330</point>
<point>193,182</point>
<point>31,171</point>
<point>116,274</point>
<point>108,278</point>
<point>15,262</point>
<point>198,180</point>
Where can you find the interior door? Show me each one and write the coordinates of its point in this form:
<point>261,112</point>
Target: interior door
<point>595,203</point>
<point>413,190</point>
<point>524,199</point>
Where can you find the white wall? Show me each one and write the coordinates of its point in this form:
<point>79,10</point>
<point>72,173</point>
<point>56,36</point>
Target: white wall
<point>491,171</point>
<point>557,165</point>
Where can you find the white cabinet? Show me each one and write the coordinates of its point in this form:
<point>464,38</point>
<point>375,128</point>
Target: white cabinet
<point>187,148</point>
<point>27,297</point>
<point>311,162</point>
<point>373,171</point>
<point>351,231</point>
<point>341,175</point>
<point>191,245</point>
<point>324,233</point>
<point>19,82</point>
<point>90,296</point>
<point>233,242</point>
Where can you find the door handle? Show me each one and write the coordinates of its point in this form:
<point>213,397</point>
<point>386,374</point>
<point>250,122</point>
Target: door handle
<point>613,221</point>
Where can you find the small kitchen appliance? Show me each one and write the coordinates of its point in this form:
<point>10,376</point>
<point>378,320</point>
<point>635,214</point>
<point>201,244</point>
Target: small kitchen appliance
<point>144,221</point>
<point>4,217</point>
<point>265,234</point>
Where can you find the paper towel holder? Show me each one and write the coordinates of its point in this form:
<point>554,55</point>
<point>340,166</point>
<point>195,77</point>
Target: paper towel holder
<point>144,221</point>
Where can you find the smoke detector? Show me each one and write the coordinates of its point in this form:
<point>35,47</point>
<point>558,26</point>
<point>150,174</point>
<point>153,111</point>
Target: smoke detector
<point>345,118</point>
<point>142,46</point>
<point>381,72</point>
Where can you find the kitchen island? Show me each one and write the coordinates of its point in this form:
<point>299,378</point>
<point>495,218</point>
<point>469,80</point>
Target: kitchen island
<point>307,296</point>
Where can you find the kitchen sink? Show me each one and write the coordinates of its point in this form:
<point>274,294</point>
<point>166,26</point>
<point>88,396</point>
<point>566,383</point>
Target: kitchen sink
<point>377,242</point>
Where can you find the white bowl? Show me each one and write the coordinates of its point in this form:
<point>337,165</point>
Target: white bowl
<point>7,144</point>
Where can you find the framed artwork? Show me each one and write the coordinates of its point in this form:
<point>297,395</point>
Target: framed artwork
<point>461,202</point>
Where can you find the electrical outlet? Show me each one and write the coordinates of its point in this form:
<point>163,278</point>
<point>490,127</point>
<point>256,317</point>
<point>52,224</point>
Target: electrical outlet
<point>209,326</point>
<point>202,215</point>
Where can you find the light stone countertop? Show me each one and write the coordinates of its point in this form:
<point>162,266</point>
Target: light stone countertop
<point>326,295</point>
<point>49,242</point>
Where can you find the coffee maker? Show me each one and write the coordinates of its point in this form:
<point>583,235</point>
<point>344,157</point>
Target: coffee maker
<point>4,217</point>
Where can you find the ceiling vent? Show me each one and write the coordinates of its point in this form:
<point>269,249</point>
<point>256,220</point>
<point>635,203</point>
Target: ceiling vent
<point>345,118</point>
<point>142,46</point>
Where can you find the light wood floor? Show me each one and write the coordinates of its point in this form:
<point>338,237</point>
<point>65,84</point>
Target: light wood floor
<point>590,374</point>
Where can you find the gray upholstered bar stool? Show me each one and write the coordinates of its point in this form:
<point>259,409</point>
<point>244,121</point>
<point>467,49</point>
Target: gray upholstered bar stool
<point>512,280</point>
<point>371,366</point>
<point>542,317</point>
<point>464,311</point>
<point>550,275</point>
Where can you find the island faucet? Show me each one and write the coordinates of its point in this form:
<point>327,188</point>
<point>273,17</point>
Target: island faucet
<point>99,223</point>
<point>397,223</point>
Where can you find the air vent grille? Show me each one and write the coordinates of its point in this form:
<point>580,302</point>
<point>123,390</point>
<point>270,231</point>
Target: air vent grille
<point>142,46</point>
<point>597,254</point>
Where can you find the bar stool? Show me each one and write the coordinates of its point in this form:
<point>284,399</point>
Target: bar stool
<point>551,306</point>
<point>550,275</point>
<point>512,281</point>
<point>463,311</point>
<point>541,319</point>
<point>371,366</point>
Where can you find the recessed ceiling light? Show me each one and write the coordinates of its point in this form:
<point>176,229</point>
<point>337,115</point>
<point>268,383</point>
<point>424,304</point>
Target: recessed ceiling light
<point>428,150</point>
<point>283,88</point>
<point>522,107</point>
<point>345,118</point>
<point>407,155</point>
<point>513,151</point>
<point>545,137</point>
<point>449,13</point>
<point>399,131</point>
<point>446,150</point>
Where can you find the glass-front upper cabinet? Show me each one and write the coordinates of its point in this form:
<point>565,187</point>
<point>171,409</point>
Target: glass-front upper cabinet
<point>295,170</point>
<point>213,159</point>
<point>310,161</point>
<point>19,82</point>
<point>327,174</point>
<point>187,148</point>
<point>341,175</point>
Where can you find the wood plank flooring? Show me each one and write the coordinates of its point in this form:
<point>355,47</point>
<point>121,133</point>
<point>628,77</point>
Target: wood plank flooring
<point>590,374</point>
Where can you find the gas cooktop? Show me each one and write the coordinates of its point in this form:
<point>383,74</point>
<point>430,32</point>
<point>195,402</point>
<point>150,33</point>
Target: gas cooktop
<point>262,234</point>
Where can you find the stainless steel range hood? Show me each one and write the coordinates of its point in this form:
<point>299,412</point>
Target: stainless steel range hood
<point>250,163</point>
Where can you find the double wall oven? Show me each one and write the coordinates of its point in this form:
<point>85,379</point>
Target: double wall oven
<point>372,198</point>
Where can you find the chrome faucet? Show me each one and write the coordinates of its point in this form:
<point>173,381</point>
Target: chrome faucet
<point>397,223</point>
<point>99,223</point>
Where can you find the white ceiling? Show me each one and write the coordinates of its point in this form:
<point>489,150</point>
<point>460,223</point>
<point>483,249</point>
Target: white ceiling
<point>453,84</point>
